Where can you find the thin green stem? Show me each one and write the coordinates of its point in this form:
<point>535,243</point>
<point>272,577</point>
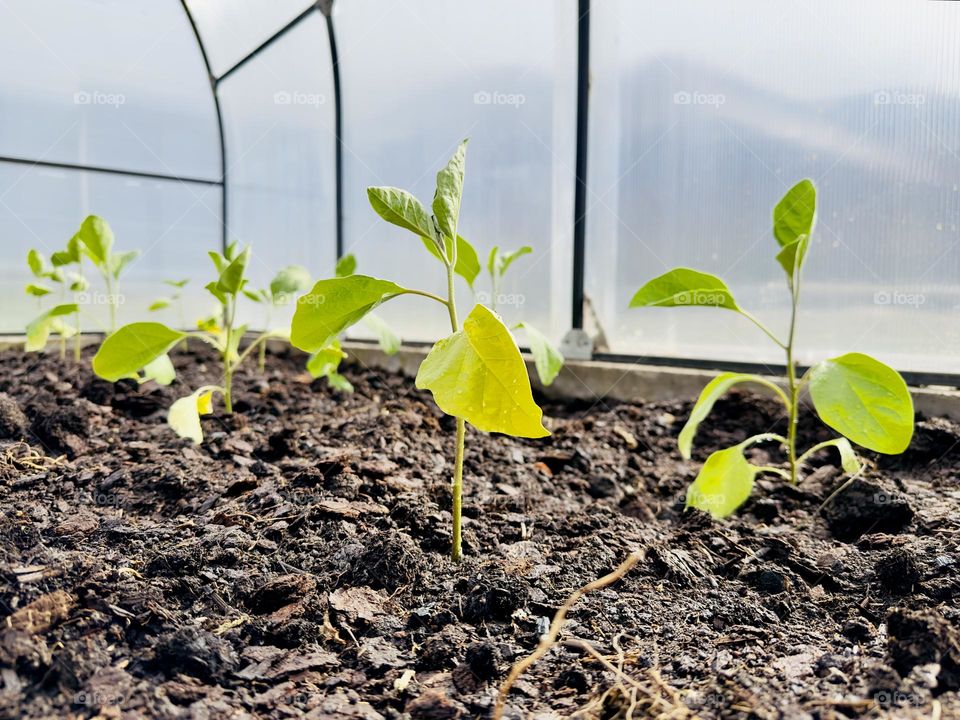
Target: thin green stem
<point>776,471</point>
<point>794,387</point>
<point>763,327</point>
<point>776,389</point>
<point>456,551</point>
<point>423,293</point>
<point>227,363</point>
<point>816,448</point>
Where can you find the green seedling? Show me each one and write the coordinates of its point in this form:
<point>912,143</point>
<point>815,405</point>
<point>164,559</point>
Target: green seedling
<point>476,374</point>
<point>70,284</point>
<point>285,286</point>
<point>96,239</point>
<point>144,345</point>
<point>862,399</point>
<point>325,362</point>
<point>547,358</point>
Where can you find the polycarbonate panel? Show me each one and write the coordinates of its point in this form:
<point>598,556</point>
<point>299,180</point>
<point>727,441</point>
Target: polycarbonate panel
<point>231,29</point>
<point>172,224</point>
<point>110,83</point>
<point>280,155</point>
<point>418,77</point>
<point>704,113</point>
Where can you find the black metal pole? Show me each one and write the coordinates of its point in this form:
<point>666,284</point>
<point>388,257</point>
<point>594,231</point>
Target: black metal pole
<point>338,127</point>
<point>580,194</point>
<point>267,43</point>
<point>224,235</point>
<point>108,170</point>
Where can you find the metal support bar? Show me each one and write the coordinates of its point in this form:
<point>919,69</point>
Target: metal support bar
<point>580,195</point>
<point>108,170</point>
<point>267,43</point>
<point>327,9</point>
<point>224,235</point>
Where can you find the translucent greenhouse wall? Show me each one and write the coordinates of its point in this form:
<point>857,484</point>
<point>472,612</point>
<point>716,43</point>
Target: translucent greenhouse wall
<point>701,115</point>
<point>704,113</point>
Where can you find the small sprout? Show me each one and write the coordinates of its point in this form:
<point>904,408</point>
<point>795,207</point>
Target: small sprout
<point>865,401</point>
<point>476,374</point>
<point>285,286</point>
<point>143,346</point>
<point>70,283</point>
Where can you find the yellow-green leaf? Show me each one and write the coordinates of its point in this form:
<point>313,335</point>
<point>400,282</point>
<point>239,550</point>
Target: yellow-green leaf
<point>400,208</point>
<point>863,400</point>
<point>478,374</point>
<point>796,213</point>
<point>184,414</point>
<point>231,279</point>
<point>446,199</point>
<point>546,357</point>
<point>724,483</point>
<point>97,238</point>
<point>791,256</point>
<point>132,347</point>
<point>468,264</point>
<point>335,304</point>
<point>160,370</point>
<point>683,287</point>
<point>38,331</point>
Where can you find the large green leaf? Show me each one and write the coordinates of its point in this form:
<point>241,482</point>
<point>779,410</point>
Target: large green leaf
<point>231,279</point>
<point>289,281</point>
<point>546,357</point>
<point>863,400</point>
<point>724,483</point>
<point>446,199</point>
<point>478,374</point>
<point>712,392</point>
<point>132,347</point>
<point>685,287</point>
<point>38,331</point>
<point>468,264</point>
<point>796,213</point>
<point>334,305</point>
<point>97,238</point>
<point>791,256</point>
<point>402,209</point>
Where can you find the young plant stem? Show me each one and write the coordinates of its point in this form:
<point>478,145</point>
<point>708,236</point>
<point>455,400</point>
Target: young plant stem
<point>262,358</point>
<point>794,388</point>
<point>76,341</point>
<point>111,301</point>
<point>456,552</point>
<point>227,362</point>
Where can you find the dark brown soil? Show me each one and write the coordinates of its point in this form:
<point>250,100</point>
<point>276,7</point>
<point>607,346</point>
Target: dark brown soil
<point>295,563</point>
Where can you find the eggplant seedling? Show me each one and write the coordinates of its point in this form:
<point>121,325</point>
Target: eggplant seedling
<point>96,238</point>
<point>144,345</point>
<point>476,374</point>
<point>70,284</point>
<point>547,358</point>
<point>862,399</point>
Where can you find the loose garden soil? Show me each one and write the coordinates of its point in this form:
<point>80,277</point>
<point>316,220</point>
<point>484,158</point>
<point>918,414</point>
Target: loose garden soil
<point>295,563</point>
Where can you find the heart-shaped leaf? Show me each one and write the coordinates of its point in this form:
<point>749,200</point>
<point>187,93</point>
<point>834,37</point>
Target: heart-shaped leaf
<point>478,374</point>
<point>683,287</point>
<point>796,213</point>
<point>132,347</point>
<point>724,483</point>
<point>334,305</point>
<point>863,400</point>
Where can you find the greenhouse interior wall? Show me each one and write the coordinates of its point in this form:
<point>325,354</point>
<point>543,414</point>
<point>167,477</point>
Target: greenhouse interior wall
<point>698,121</point>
